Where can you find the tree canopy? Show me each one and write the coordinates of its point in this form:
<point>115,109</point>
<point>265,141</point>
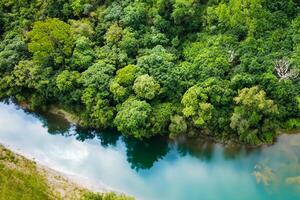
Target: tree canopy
<point>227,69</point>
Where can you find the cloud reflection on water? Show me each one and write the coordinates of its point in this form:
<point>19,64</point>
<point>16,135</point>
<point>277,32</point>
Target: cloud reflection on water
<point>170,173</point>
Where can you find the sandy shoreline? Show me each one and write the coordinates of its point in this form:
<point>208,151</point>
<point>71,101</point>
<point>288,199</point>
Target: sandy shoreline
<point>71,179</point>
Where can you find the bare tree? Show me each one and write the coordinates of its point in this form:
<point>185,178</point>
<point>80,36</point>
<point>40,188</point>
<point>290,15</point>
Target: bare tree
<point>284,71</point>
<point>232,57</point>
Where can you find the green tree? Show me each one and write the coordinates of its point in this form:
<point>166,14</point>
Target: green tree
<point>82,28</point>
<point>96,95</point>
<point>135,15</point>
<point>196,106</point>
<point>177,125</point>
<point>132,118</point>
<point>126,75</point>
<point>98,113</point>
<point>129,42</point>
<point>83,55</point>
<point>28,74</point>
<point>120,93</point>
<point>241,17</point>
<point>254,116</point>
<point>112,55</point>
<point>69,88</point>
<point>102,114</point>
<point>98,76</point>
<point>154,37</point>
<point>209,57</point>
<point>187,12</point>
<point>146,87</point>
<point>159,63</point>
<point>121,85</point>
<point>161,117</point>
<point>51,42</point>
<point>200,103</point>
<point>12,50</point>
<point>67,80</point>
<point>113,34</point>
<point>81,7</point>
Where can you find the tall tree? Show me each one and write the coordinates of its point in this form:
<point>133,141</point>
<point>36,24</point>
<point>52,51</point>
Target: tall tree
<point>254,116</point>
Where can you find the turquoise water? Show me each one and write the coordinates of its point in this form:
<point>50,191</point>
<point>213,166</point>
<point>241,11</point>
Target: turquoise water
<point>156,169</point>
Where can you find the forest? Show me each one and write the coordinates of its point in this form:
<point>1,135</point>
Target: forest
<point>218,68</point>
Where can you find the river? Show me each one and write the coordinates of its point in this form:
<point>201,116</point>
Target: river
<point>156,169</point>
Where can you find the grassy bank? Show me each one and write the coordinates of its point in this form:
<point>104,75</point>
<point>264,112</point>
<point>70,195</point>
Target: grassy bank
<point>24,179</point>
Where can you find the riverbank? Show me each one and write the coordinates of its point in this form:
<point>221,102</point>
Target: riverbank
<point>56,110</point>
<point>194,134</point>
<point>154,169</point>
<point>22,178</point>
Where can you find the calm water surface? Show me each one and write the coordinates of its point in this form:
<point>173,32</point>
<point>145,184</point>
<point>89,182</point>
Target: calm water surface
<point>156,169</point>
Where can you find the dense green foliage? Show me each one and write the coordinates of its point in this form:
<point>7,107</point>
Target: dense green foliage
<point>253,117</point>
<point>228,68</point>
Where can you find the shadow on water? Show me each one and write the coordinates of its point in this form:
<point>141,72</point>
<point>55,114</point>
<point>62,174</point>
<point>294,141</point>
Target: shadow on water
<point>82,134</point>
<point>234,151</point>
<point>143,154</point>
<point>108,137</point>
<point>196,147</point>
<point>140,154</point>
<point>59,125</point>
<point>55,124</point>
<point>269,172</point>
<point>204,148</point>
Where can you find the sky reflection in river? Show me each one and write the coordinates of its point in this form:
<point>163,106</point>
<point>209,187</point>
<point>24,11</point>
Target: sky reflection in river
<point>155,169</point>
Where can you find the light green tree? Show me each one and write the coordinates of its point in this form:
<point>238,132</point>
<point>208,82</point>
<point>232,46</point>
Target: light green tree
<point>146,87</point>
<point>82,28</point>
<point>254,116</point>
<point>113,34</point>
<point>51,42</point>
<point>67,80</point>
<point>196,106</point>
<point>161,117</point>
<point>132,118</point>
<point>177,126</point>
<point>122,83</point>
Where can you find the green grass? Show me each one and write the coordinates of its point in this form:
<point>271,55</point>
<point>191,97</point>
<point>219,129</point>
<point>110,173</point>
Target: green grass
<point>106,196</point>
<point>18,185</point>
<point>20,179</point>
